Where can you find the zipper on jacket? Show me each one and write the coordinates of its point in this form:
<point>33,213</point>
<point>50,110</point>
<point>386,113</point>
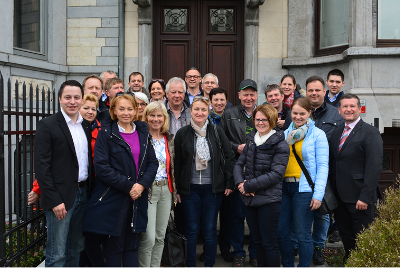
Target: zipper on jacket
<point>200,176</point>
<point>212,163</point>
<point>101,198</point>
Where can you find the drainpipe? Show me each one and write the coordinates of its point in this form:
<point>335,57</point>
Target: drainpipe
<point>121,39</point>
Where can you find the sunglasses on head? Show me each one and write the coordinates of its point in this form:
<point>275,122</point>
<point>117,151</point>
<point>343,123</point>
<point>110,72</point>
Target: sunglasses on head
<point>157,80</point>
<point>123,93</point>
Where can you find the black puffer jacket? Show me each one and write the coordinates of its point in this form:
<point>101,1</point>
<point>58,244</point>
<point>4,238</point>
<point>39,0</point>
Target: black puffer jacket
<point>263,167</point>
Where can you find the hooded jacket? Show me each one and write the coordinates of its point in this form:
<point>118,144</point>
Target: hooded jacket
<point>115,169</point>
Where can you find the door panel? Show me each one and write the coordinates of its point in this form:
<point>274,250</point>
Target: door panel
<point>207,35</point>
<point>220,62</point>
<point>176,54</point>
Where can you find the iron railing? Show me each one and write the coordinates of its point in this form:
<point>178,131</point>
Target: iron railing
<point>22,226</point>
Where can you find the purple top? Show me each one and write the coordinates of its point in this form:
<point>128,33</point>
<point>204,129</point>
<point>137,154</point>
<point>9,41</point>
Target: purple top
<point>133,140</point>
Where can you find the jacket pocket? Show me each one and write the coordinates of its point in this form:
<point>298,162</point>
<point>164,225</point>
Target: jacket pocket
<point>358,176</point>
<point>102,196</point>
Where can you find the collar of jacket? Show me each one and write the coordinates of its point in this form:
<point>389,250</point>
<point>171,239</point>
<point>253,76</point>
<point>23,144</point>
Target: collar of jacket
<point>275,138</point>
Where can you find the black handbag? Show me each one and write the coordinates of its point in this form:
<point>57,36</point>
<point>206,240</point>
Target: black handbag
<point>175,244</point>
<point>329,202</point>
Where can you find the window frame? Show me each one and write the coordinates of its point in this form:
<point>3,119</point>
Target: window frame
<point>43,36</point>
<point>317,35</point>
<point>384,42</point>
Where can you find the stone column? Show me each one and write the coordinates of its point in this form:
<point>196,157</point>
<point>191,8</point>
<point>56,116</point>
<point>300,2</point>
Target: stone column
<point>145,39</point>
<point>251,39</point>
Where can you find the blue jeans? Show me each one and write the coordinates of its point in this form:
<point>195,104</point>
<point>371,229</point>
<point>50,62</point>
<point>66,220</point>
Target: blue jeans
<point>65,240</point>
<point>263,224</point>
<point>320,229</point>
<point>295,207</point>
<point>237,227</point>
<point>201,206</point>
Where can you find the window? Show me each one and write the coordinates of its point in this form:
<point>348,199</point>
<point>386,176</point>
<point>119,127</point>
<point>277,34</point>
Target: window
<point>388,23</point>
<point>30,28</point>
<point>331,26</point>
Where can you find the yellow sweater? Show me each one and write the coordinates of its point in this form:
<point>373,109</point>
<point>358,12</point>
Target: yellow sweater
<point>293,169</point>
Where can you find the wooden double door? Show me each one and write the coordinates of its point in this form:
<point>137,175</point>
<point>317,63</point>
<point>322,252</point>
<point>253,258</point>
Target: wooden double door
<point>207,35</point>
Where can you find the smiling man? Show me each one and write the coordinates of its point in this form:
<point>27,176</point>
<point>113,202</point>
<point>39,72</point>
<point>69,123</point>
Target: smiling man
<point>112,87</point>
<point>63,161</point>
<point>193,79</point>
<point>275,96</point>
<point>237,123</point>
<point>136,83</point>
<point>327,118</point>
<point>356,153</point>
<point>335,82</point>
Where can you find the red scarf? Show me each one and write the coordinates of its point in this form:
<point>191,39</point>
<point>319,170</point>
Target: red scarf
<point>289,100</point>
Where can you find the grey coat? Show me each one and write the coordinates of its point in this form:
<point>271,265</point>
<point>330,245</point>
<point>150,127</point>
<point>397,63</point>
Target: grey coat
<point>263,167</point>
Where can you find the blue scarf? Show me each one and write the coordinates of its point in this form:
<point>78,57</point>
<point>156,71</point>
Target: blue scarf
<point>297,133</point>
<point>215,118</point>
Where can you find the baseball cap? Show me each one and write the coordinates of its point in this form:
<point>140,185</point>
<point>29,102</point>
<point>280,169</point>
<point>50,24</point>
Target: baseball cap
<point>248,83</point>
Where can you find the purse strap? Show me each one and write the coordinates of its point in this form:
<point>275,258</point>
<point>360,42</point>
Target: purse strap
<point>220,147</point>
<point>303,168</point>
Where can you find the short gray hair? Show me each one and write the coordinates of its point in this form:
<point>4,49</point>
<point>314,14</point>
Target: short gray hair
<point>175,80</point>
<point>109,72</point>
<point>210,75</point>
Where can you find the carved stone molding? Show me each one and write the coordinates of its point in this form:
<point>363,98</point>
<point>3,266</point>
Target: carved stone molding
<point>254,3</point>
<point>143,3</point>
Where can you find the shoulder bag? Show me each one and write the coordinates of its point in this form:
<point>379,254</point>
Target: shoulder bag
<point>329,202</point>
<point>220,148</point>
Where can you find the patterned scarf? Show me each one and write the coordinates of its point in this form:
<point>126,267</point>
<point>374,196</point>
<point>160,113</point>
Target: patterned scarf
<point>297,134</point>
<point>202,150</point>
<point>94,124</point>
<point>215,118</point>
<point>289,100</point>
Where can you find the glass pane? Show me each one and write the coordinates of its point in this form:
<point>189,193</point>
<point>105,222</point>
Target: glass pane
<point>334,23</point>
<point>175,20</point>
<point>221,20</point>
<point>387,161</point>
<point>388,19</point>
<point>27,25</point>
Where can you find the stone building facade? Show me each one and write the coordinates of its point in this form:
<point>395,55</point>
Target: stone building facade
<point>82,37</point>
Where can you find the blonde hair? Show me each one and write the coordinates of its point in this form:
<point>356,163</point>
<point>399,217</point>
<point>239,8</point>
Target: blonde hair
<point>127,97</point>
<point>270,112</point>
<point>91,97</point>
<point>156,106</point>
<point>203,99</point>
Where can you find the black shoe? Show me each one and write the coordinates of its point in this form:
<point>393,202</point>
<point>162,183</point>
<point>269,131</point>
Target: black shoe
<point>253,262</point>
<point>335,237</point>
<point>226,254</point>
<point>202,256</point>
<point>238,261</point>
<point>296,252</point>
<point>318,257</point>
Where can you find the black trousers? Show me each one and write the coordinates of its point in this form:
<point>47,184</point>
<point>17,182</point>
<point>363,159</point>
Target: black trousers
<point>350,222</point>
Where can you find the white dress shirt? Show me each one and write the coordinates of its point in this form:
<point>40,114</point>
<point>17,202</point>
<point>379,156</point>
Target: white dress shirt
<point>80,144</point>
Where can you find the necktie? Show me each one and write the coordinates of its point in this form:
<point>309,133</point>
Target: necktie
<point>345,134</point>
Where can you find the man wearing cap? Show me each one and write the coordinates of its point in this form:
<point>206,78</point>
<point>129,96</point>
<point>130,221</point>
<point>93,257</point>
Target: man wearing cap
<point>237,123</point>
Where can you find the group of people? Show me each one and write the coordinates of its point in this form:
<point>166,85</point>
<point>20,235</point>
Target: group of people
<point>112,165</point>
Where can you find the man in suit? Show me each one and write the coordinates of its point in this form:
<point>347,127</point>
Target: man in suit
<point>63,168</point>
<point>356,152</point>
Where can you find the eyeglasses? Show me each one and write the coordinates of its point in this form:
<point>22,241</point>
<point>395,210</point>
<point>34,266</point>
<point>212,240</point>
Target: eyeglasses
<point>210,82</point>
<point>157,80</point>
<point>264,121</point>
<point>123,93</point>
<point>192,76</point>
<point>142,104</point>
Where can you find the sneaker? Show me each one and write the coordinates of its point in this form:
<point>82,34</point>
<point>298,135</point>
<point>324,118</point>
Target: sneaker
<point>238,261</point>
<point>335,237</point>
<point>202,256</point>
<point>253,262</point>
<point>318,257</point>
<point>296,252</point>
<point>226,254</point>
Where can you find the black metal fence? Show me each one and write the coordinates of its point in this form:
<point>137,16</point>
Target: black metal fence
<point>22,226</point>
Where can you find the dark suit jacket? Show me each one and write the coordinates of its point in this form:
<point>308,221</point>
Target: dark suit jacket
<point>356,169</point>
<point>56,164</point>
